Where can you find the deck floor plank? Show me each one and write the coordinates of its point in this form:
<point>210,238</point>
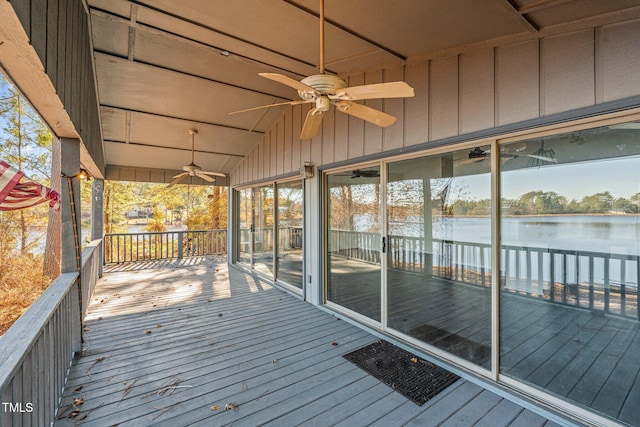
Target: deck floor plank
<point>225,337</point>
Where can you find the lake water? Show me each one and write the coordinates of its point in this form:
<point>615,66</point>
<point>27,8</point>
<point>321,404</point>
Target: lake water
<point>598,233</point>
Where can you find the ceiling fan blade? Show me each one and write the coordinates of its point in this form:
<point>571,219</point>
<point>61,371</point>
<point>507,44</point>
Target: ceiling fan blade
<point>271,105</point>
<point>205,177</point>
<point>212,173</point>
<point>177,179</point>
<point>543,158</point>
<point>363,112</point>
<point>311,124</point>
<point>374,91</point>
<point>288,81</point>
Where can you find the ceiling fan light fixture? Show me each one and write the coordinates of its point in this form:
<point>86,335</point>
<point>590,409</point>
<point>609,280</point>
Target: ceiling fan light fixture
<point>326,89</point>
<point>192,169</point>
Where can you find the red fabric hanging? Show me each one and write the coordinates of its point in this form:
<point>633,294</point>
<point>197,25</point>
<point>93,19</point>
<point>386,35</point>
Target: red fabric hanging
<point>16,193</point>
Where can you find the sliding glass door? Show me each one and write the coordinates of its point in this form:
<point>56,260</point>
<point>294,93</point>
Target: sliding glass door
<point>547,302</point>
<point>354,241</point>
<point>424,270</point>
<point>438,257</point>
<point>290,236</point>
<point>245,226</point>
<point>270,231</point>
<point>570,248</point>
<point>263,223</point>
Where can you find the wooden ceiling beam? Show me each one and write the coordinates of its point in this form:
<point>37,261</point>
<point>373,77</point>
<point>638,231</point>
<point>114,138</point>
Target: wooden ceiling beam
<point>348,31</point>
<point>528,23</point>
<point>539,5</point>
<point>129,110</point>
<point>222,33</point>
<point>141,144</point>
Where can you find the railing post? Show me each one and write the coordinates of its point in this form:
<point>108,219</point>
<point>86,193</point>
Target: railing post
<point>180,244</point>
<point>70,228</point>
<point>97,215</point>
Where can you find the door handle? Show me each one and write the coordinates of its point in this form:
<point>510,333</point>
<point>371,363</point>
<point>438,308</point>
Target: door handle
<point>384,245</point>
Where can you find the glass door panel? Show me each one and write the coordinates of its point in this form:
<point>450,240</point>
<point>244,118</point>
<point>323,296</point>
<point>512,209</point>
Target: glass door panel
<point>439,253</point>
<point>263,226</point>
<point>289,220</point>
<point>353,247</point>
<point>245,226</point>
<point>570,261</point>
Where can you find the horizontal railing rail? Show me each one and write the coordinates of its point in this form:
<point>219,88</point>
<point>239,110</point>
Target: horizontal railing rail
<point>598,281</point>
<point>37,351</point>
<point>127,247</point>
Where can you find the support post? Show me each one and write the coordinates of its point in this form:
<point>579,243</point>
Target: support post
<point>70,261</point>
<point>97,217</point>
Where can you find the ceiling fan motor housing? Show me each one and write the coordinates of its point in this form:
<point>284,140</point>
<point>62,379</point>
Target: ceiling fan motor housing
<point>326,84</point>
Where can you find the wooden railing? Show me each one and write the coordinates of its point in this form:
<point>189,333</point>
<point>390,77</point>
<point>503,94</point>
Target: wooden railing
<point>127,247</point>
<point>597,281</point>
<point>36,352</point>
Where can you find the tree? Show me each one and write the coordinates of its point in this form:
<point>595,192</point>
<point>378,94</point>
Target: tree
<point>26,145</point>
<point>117,197</point>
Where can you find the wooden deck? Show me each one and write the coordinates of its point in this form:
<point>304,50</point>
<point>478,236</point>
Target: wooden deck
<point>175,344</point>
<point>583,356</point>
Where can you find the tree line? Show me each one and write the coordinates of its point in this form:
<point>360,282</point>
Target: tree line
<point>548,203</point>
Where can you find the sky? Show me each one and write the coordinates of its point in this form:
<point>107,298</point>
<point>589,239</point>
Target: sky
<point>618,176</point>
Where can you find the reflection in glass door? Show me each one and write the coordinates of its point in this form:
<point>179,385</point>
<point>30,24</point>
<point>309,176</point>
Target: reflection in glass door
<point>353,258</point>
<point>245,226</point>
<point>263,226</point>
<point>289,244</point>
<point>439,258</point>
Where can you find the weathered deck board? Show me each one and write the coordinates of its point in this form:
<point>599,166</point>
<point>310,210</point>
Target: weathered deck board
<point>219,336</point>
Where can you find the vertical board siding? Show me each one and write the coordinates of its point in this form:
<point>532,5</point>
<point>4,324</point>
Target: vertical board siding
<point>618,61</point>
<point>373,133</point>
<point>39,28</point>
<point>273,147</point>
<point>477,91</point>
<point>392,135</point>
<point>567,72</point>
<point>51,66</point>
<point>341,137</point>
<point>328,137</point>
<point>517,82</point>
<point>315,144</point>
<point>299,113</point>
<point>59,33</point>
<point>280,157</point>
<point>305,149</point>
<point>465,93</point>
<point>416,116</point>
<point>288,139</point>
<point>443,114</point>
<point>356,126</point>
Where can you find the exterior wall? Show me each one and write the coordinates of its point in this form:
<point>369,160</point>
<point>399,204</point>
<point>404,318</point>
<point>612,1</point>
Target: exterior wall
<point>478,91</point>
<point>58,31</point>
<point>461,94</point>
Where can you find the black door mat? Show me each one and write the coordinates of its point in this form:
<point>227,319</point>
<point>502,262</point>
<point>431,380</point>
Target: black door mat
<point>414,378</point>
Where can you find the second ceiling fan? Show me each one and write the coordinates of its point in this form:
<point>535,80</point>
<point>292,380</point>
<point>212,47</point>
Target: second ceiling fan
<point>325,90</point>
<point>192,169</point>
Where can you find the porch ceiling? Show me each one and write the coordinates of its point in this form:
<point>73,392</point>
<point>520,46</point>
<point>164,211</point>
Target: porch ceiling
<point>164,67</point>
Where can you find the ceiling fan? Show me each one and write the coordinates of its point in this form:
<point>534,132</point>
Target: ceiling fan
<point>192,169</point>
<point>540,156</point>
<point>325,90</point>
<point>361,173</point>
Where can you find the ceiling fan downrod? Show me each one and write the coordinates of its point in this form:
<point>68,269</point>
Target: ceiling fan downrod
<point>192,132</point>
<point>321,36</point>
